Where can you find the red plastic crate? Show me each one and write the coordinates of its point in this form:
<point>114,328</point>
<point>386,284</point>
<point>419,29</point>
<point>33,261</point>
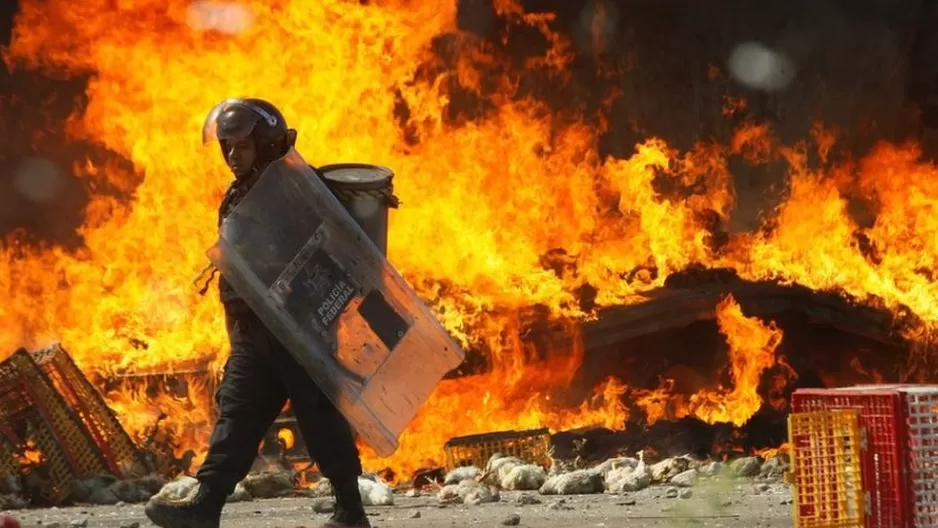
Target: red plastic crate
<point>882,415</point>
<point>921,404</point>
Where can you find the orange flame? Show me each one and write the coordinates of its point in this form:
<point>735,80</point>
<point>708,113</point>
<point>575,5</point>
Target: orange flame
<point>486,199</point>
<point>752,347</point>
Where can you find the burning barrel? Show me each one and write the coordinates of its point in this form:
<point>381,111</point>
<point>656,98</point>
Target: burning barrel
<point>367,192</point>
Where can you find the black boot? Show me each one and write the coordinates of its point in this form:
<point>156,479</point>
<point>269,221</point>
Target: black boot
<point>199,510</point>
<point>349,511</point>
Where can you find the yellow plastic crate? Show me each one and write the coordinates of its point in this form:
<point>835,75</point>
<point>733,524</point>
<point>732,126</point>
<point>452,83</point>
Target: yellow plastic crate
<point>826,452</point>
<point>531,446</point>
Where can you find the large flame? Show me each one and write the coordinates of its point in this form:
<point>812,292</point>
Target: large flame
<point>506,206</point>
<point>752,347</point>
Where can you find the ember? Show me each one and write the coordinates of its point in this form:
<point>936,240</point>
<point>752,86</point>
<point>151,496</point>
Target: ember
<point>568,274</point>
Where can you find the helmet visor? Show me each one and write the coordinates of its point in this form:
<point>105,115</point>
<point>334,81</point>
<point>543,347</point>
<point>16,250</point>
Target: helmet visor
<point>233,119</point>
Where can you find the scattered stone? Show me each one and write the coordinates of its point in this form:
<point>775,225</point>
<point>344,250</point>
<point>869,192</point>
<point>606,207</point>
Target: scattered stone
<point>524,477</point>
<point>579,482</point>
<point>411,493</point>
<point>240,494</point>
<point>78,523</point>
<point>623,480</point>
<point>726,503</point>
<point>103,496</point>
<point>712,469</point>
<point>415,515</point>
<point>323,488</point>
<point>129,491</point>
<point>130,524</point>
<point>460,474</point>
<point>664,470</point>
<point>151,484</point>
<point>53,524</point>
<point>746,467</point>
<point>685,479</point>
<point>468,492</point>
<point>761,488</point>
<point>10,485</point>
<point>79,491</point>
<point>269,484</point>
<point>627,502</point>
<point>616,463</point>
<point>324,505</point>
<point>473,492</point>
<point>512,520</point>
<point>559,505</point>
<point>450,493</point>
<point>774,467</point>
<point>685,493</point>
<point>671,493</point>
<point>375,492</point>
<point>13,502</point>
<point>526,499</point>
<point>177,490</point>
<point>428,476</point>
<point>693,462</point>
<point>512,473</point>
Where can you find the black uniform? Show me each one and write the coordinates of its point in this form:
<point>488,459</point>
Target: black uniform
<point>259,377</point>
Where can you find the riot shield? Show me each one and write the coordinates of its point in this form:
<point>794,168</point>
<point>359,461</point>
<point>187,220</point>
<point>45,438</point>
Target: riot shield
<point>324,289</point>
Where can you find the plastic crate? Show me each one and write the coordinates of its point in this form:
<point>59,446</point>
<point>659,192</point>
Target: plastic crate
<point>922,454</point>
<point>9,464</point>
<point>31,408</point>
<point>531,446</point>
<point>882,416</point>
<point>826,469</point>
<point>119,451</point>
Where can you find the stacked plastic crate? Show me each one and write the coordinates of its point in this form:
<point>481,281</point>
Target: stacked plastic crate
<point>891,457</point>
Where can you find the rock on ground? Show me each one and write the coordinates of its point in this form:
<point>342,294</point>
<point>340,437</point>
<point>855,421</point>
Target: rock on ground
<point>746,467</point>
<point>375,493</point>
<point>468,492</point>
<point>628,479</point>
<point>775,467</point>
<point>268,485</point>
<point>685,479</point>
<point>643,509</point>
<point>581,481</point>
<point>460,474</point>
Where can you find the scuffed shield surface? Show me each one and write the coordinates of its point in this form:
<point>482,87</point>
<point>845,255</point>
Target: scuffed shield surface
<point>322,287</point>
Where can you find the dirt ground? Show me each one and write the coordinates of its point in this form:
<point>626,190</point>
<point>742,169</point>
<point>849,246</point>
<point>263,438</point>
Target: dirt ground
<point>726,503</point>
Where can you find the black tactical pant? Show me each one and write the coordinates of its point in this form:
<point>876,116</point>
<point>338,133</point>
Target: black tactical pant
<point>259,377</point>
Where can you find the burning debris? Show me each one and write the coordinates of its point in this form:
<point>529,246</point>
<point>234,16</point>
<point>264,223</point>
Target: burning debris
<point>603,265</point>
<point>57,428</point>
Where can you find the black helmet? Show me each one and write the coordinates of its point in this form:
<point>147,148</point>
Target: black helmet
<point>235,119</point>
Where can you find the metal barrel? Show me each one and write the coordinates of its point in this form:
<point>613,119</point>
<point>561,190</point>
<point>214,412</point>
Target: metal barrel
<point>367,192</point>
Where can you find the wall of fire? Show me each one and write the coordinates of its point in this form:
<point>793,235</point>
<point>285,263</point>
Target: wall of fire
<point>869,67</point>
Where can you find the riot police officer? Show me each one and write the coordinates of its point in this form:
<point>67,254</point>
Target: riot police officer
<point>260,374</point>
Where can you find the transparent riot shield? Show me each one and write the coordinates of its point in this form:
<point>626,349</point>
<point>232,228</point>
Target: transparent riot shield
<point>324,289</point>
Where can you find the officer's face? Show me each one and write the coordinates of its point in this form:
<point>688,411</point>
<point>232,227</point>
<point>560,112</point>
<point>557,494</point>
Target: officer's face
<point>241,155</point>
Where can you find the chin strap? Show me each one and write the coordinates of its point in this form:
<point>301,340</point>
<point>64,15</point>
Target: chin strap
<point>201,276</point>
